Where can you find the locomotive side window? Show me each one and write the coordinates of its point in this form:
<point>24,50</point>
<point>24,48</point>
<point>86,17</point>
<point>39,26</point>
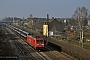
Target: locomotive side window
<point>39,41</point>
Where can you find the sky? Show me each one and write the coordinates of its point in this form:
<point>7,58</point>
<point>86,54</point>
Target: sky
<point>40,8</point>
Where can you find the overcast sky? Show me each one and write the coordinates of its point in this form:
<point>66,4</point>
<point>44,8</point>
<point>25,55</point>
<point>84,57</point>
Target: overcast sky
<point>39,8</point>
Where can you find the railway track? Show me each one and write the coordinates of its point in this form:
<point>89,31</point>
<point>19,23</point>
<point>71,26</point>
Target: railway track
<point>57,55</point>
<point>47,54</point>
<point>43,57</point>
<point>24,51</point>
<point>53,54</point>
<point>6,52</point>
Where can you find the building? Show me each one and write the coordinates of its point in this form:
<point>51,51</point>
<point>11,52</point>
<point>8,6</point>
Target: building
<point>36,23</point>
<point>56,26</point>
<point>19,21</point>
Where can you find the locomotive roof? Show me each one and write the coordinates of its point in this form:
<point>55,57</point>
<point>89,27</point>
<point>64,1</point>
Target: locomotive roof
<point>34,36</point>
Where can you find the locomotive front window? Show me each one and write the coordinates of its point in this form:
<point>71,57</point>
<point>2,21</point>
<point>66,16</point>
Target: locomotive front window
<point>39,41</point>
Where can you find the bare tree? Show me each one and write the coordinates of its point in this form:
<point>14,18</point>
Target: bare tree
<point>80,17</point>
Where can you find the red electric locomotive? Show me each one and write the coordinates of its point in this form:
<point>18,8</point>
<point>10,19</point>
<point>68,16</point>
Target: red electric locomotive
<point>35,41</point>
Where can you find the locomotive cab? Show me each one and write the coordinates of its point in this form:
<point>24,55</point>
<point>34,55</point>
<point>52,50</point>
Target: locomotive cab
<point>39,43</point>
<point>35,41</point>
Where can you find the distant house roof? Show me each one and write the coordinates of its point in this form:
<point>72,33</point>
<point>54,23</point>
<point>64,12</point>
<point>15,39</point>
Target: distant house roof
<point>56,25</point>
<point>19,19</point>
<point>16,18</point>
<point>37,18</point>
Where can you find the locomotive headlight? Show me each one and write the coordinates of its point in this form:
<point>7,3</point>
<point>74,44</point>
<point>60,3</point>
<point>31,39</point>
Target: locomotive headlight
<point>42,44</point>
<point>37,44</point>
